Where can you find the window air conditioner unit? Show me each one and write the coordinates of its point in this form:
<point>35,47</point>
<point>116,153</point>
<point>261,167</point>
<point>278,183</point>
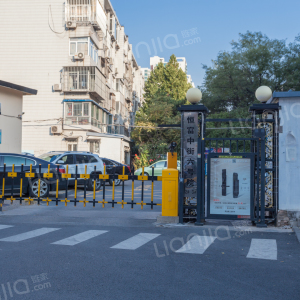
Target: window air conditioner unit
<point>56,129</point>
<point>71,24</point>
<point>57,87</point>
<point>79,55</point>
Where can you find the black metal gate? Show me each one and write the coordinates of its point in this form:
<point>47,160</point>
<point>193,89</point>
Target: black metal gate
<point>260,153</point>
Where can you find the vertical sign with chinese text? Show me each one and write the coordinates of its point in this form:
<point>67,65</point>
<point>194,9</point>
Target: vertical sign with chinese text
<point>190,149</point>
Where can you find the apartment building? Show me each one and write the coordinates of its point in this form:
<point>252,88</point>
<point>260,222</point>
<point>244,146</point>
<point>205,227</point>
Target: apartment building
<point>155,60</point>
<point>76,53</point>
<point>146,73</point>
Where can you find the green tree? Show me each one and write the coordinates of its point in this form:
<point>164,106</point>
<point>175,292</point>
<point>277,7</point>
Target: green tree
<point>165,91</point>
<point>167,80</point>
<point>230,83</point>
<point>255,60</point>
<point>148,137</point>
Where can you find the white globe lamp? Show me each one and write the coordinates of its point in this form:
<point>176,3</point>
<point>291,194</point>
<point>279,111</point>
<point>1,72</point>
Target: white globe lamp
<point>194,95</point>
<point>263,93</point>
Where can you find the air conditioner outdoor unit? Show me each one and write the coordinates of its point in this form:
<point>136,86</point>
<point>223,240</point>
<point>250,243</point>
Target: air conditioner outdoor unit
<point>56,129</point>
<point>71,24</point>
<point>57,87</point>
<point>79,55</point>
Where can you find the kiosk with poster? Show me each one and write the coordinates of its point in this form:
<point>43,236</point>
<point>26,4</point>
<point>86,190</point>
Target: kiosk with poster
<point>230,182</point>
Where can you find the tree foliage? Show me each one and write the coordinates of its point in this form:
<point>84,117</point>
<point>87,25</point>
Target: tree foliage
<point>167,80</point>
<point>255,60</point>
<point>165,91</point>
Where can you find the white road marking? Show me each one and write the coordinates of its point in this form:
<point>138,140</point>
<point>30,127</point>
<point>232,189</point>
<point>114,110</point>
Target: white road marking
<point>79,238</point>
<point>5,226</point>
<point>28,235</point>
<point>197,245</point>
<point>263,249</point>
<point>136,241</point>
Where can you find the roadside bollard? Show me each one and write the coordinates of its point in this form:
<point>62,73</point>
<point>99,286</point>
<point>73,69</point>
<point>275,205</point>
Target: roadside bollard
<point>170,192</point>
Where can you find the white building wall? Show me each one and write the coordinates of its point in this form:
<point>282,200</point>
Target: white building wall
<point>34,56</point>
<point>11,128</point>
<point>289,154</point>
<point>36,48</point>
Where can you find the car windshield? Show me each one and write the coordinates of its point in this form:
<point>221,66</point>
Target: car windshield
<point>49,157</point>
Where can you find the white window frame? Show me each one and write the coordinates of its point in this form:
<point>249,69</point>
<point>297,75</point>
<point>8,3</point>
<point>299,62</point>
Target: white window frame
<point>82,109</point>
<point>95,51</point>
<point>73,40</point>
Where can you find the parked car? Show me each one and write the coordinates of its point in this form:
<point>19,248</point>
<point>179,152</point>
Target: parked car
<point>113,166</point>
<point>158,167</point>
<point>30,185</point>
<point>79,159</point>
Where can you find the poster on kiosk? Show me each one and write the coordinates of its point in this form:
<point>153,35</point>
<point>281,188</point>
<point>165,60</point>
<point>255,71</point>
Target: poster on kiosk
<point>230,186</point>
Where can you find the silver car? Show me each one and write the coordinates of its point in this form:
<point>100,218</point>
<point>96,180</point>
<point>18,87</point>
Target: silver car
<point>78,159</point>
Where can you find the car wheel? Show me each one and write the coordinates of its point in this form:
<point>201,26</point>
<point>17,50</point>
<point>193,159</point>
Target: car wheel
<point>91,184</point>
<point>34,186</point>
<point>117,181</point>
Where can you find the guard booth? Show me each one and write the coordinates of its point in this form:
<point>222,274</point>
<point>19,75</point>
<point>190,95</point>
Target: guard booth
<point>241,182</point>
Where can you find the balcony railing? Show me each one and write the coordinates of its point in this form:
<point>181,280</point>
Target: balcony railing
<point>88,121</point>
<point>86,11</point>
<point>85,79</point>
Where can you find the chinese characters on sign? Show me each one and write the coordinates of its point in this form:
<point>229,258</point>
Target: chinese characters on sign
<point>190,148</point>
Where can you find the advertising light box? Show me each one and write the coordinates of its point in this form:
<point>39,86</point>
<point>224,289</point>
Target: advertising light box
<point>230,185</point>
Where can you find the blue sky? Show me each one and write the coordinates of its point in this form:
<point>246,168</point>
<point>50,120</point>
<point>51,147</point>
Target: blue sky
<point>215,22</point>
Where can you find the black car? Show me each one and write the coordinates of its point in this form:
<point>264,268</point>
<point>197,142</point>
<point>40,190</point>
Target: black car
<point>114,167</point>
<point>29,185</point>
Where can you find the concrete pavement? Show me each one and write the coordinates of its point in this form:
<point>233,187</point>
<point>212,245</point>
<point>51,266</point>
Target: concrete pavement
<point>59,252</point>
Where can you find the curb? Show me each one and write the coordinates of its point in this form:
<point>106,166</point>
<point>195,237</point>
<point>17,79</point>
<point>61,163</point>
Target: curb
<point>296,230</point>
<point>7,206</point>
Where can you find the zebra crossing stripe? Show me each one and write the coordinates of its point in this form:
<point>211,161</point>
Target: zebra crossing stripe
<point>28,235</point>
<point>263,249</point>
<point>5,226</point>
<point>136,241</point>
<point>79,238</point>
<point>197,245</point>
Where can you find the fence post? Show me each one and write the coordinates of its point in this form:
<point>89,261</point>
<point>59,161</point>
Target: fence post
<point>170,193</point>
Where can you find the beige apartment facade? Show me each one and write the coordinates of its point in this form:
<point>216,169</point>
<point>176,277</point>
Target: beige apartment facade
<point>11,112</point>
<point>77,55</point>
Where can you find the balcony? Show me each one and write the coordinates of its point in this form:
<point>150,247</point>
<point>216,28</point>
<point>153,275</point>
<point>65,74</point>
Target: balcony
<point>86,11</point>
<point>86,123</point>
<point>83,80</point>
<point>86,115</point>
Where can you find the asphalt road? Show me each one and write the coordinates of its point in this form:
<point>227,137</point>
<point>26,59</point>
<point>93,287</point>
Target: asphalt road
<point>58,252</point>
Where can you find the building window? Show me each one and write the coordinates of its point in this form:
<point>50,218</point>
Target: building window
<point>78,45</point>
<point>78,78</point>
<point>77,113</point>
<point>77,109</point>
<point>95,147</point>
<point>72,147</point>
<point>119,86</point>
<point>127,157</point>
<point>93,51</point>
